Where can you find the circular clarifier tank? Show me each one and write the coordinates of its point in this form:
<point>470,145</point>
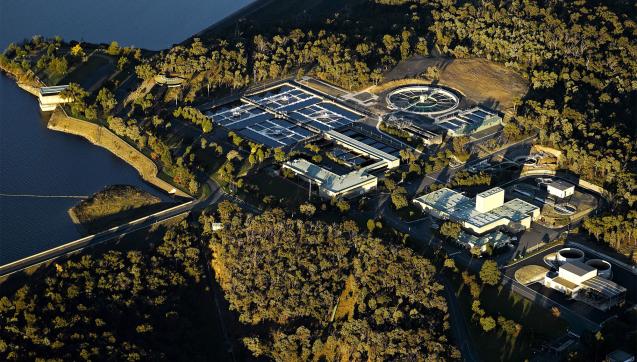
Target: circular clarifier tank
<point>423,100</point>
<point>604,269</point>
<point>569,255</point>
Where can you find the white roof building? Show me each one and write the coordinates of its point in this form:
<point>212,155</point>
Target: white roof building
<point>483,213</point>
<point>580,281</point>
<point>50,97</point>
<point>330,184</point>
<point>561,189</point>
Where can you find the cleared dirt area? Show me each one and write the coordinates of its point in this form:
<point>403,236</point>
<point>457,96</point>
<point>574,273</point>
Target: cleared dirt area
<point>480,80</point>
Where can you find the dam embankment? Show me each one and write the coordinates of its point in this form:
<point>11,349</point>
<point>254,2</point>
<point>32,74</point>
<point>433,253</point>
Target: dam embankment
<point>103,137</point>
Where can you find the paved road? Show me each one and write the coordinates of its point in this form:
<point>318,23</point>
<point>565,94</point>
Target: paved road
<point>116,232</point>
<point>459,324</point>
<point>91,240</point>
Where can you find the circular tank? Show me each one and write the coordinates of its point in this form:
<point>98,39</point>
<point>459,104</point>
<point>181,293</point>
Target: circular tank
<point>603,267</point>
<point>569,255</point>
<point>422,99</point>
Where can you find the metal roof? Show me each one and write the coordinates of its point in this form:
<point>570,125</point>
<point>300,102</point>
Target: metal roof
<point>577,267</point>
<point>603,286</point>
<point>47,91</point>
<point>493,238</point>
<point>490,192</point>
<point>358,145</point>
<point>327,179</point>
<point>464,208</point>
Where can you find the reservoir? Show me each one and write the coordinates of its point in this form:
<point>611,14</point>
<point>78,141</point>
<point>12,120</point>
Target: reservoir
<point>35,160</point>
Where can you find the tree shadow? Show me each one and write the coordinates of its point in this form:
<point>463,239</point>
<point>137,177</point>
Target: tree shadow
<point>490,103</point>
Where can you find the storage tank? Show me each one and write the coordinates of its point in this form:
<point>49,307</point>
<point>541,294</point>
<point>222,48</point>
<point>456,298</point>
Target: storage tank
<point>603,267</point>
<point>569,255</point>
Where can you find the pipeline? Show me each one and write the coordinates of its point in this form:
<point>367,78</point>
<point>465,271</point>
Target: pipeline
<point>45,196</point>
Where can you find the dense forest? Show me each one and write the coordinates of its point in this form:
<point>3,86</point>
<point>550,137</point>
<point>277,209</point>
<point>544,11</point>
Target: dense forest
<point>313,291</point>
<point>135,305</point>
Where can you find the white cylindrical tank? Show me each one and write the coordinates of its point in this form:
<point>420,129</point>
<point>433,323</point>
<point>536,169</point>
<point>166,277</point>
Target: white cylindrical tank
<point>569,255</point>
<point>603,267</point>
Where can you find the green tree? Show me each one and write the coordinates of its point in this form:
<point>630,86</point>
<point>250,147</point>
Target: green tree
<point>399,198</point>
<point>144,71</point>
<point>450,230</point>
<point>371,225</point>
<point>307,209</point>
<point>487,323</point>
<point>121,63</point>
<point>107,100</point>
<point>489,273</point>
<point>58,66</point>
<point>77,50</point>
<point>113,48</point>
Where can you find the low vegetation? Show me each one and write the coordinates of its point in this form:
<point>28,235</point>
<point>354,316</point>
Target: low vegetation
<point>110,202</point>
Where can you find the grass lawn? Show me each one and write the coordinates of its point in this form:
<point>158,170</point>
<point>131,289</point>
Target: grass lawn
<point>96,69</point>
<point>538,324</point>
<point>530,273</point>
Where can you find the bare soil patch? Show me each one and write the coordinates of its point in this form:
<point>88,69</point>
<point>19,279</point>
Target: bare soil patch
<point>479,80</point>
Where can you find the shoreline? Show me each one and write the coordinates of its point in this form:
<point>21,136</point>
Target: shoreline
<point>103,137</point>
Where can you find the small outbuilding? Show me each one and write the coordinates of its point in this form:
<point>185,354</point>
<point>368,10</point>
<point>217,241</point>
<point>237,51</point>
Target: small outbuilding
<point>561,189</point>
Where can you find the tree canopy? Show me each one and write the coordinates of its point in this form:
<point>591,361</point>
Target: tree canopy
<point>316,290</point>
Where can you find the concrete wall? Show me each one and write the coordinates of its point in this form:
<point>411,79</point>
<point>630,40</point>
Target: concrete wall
<point>569,177</point>
<point>103,137</point>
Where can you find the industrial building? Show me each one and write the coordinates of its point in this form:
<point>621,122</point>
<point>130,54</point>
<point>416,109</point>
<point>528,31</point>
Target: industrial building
<point>465,122</point>
<point>430,111</point>
<point>481,214</point>
<point>50,97</point>
<point>355,183</point>
<point>581,281</point>
<point>284,114</point>
<point>384,158</point>
<point>331,185</point>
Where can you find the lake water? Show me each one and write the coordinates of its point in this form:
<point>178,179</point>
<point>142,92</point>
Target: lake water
<point>35,160</point>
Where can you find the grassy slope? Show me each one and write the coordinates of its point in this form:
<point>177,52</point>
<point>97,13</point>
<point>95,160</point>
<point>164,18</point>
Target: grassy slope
<point>480,80</point>
<point>111,205</point>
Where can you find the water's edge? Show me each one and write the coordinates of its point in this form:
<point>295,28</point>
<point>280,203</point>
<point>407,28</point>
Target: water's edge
<point>103,137</point>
